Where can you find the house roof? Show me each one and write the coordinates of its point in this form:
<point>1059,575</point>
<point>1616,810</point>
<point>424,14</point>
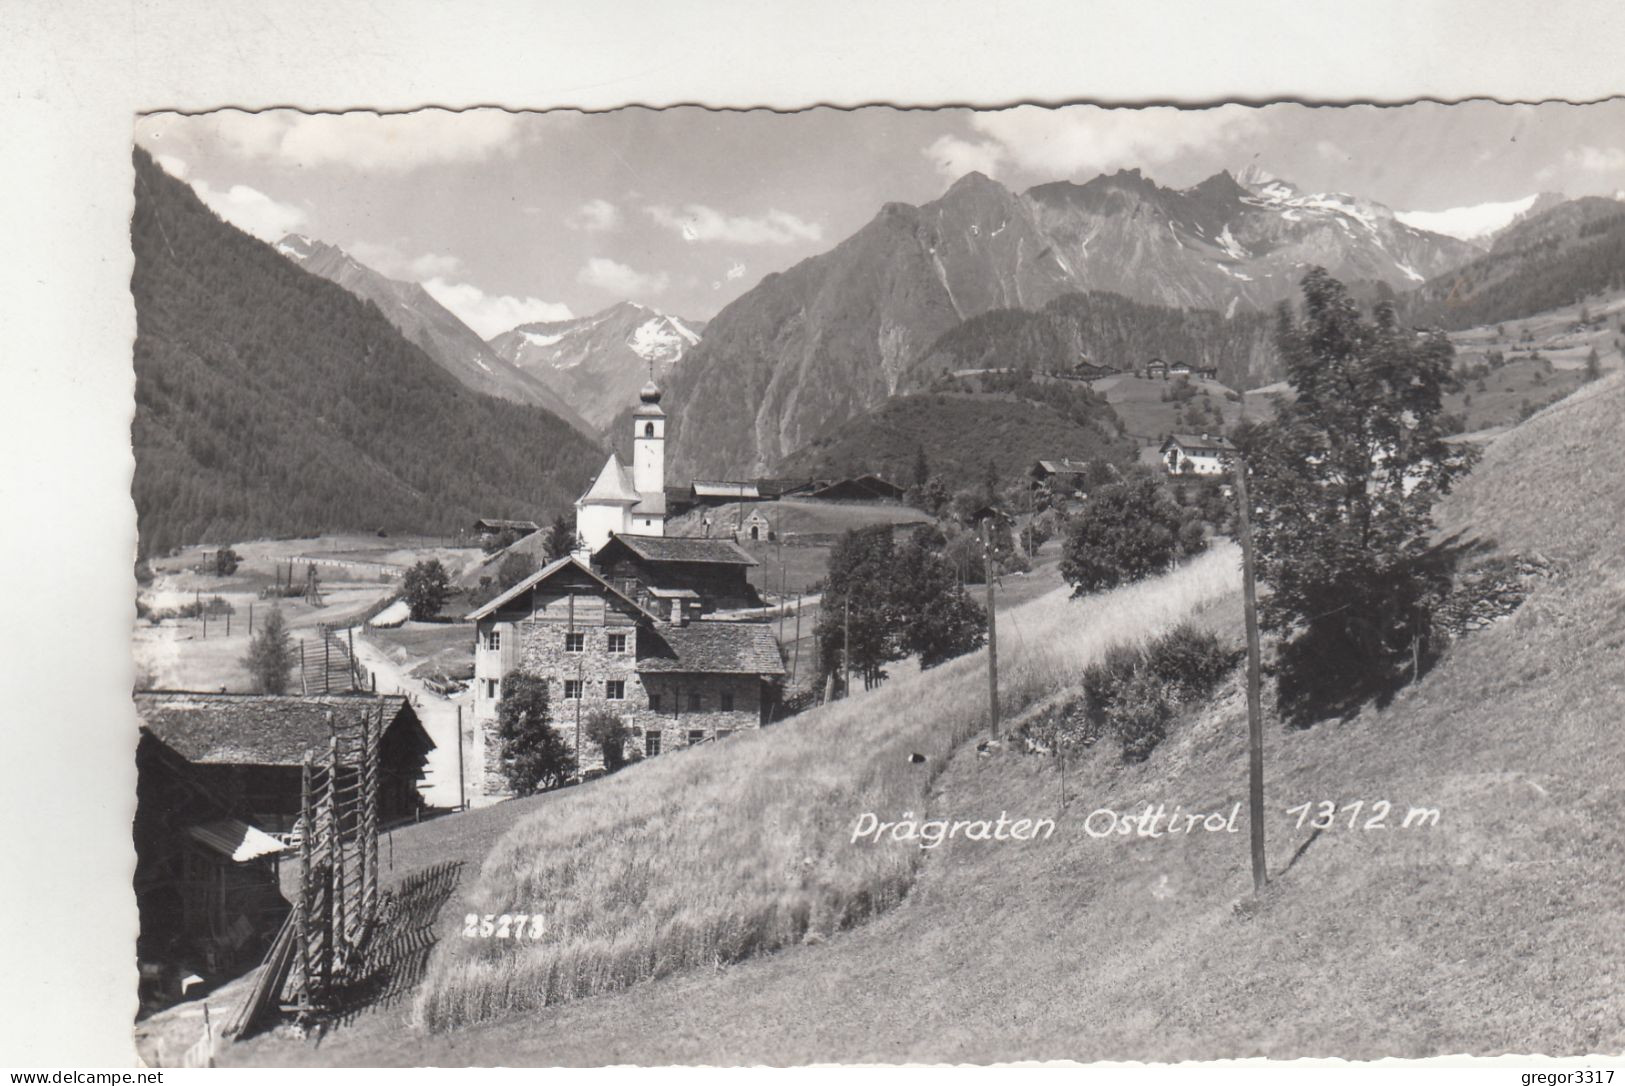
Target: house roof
<point>545,573</point>
<point>613,485</point>
<point>235,840</point>
<point>1200,443</point>
<point>500,525</point>
<point>723,489</point>
<point>713,648</point>
<point>674,593</point>
<point>1064,467</point>
<point>261,729</point>
<point>653,505</point>
<point>667,548</point>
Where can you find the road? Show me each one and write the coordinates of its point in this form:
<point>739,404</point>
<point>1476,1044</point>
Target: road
<point>438,714</point>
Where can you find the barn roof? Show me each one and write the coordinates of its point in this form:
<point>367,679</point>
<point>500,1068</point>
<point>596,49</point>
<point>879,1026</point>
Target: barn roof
<point>669,548</point>
<point>722,488</point>
<point>493,524</point>
<point>1064,467</point>
<point>713,648</point>
<point>546,573</point>
<point>263,729</point>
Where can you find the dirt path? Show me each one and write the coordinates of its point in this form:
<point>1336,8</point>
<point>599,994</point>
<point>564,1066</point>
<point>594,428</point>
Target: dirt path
<point>438,714</point>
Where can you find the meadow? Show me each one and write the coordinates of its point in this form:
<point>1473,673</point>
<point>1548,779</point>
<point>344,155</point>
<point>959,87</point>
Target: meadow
<point>723,852</point>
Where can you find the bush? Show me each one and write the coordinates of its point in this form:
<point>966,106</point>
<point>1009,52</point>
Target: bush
<point>609,733</point>
<point>515,567</point>
<point>1189,661</point>
<point>1127,531</point>
<point>1134,691</point>
<point>226,562</point>
<point>534,756</point>
<point>270,656</point>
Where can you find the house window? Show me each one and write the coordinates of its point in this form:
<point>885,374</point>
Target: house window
<point>693,701</point>
<point>572,689</point>
<point>615,689</point>
<point>617,642</point>
<point>696,737</point>
<point>492,689</point>
<point>727,701</point>
<point>654,703</point>
<point>651,743</point>
<point>575,642</point>
<point>493,639</point>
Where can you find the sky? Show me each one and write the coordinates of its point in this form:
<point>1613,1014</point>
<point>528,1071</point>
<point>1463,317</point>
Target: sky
<point>516,217</point>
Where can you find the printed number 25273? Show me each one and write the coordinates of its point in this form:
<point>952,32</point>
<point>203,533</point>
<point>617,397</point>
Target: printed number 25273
<point>505,926</point>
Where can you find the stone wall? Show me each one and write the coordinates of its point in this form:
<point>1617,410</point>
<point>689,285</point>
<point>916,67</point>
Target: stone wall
<point>540,650</point>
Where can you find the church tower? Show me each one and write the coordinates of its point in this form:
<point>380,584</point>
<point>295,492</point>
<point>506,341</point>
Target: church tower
<point>649,443</point>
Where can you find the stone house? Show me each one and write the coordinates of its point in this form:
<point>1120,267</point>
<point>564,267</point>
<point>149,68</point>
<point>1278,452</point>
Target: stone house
<point>674,679</point>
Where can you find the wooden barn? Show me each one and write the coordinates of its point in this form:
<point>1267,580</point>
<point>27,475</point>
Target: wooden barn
<point>863,488</point>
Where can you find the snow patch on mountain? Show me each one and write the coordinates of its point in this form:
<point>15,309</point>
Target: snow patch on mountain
<point>1477,222</point>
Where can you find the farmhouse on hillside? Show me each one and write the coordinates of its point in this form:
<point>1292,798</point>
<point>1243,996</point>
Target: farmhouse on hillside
<point>723,492</point>
<point>863,488</point>
<point>1197,454</point>
<point>490,527</point>
<point>673,679</point>
<point>715,570</point>
<point>1156,369</point>
<point>629,499</point>
<point>1179,369</point>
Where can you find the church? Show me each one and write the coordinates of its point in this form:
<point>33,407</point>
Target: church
<point>629,500</point>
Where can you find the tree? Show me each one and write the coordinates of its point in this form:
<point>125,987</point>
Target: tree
<point>515,567</point>
<point>855,620</point>
<point>227,560</point>
<point>609,733</point>
<point>270,655</point>
<point>938,620</point>
<point>1593,365</point>
<point>561,537</point>
<point>1344,480</point>
<point>534,757</point>
<point>426,587</point>
<point>500,540</point>
<point>922,467</point>
<point>1126,531</point>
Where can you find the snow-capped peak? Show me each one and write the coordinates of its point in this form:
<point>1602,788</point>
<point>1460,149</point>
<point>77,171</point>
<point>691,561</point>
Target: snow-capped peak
<point>1477,222</point>
<point>296,246</point>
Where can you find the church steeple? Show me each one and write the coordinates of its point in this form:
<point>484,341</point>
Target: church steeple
<point>649,441</point>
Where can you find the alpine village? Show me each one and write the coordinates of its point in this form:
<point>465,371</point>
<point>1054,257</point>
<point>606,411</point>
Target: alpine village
<point>1231,588</point>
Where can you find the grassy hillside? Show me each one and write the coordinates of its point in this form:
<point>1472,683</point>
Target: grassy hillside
<point>1109,330</point>
<point>270,402</point>
<point>960,433</point>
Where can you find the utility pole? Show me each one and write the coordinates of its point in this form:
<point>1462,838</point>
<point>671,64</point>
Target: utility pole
<point>1255,709</point>
<point>992,637</point>
<point>795,670</point>
<point>846,645</point>
<point>462,796</point>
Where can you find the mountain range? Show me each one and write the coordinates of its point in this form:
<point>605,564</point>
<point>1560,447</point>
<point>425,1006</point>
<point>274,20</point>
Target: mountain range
<point>424,321</point>
<point>840,332</point>
<point>598,363</point>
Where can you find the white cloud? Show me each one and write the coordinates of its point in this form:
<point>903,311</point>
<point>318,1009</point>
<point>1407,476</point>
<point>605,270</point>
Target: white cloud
<point>1077,140</point>
<point>1596,159</point>
<point>1330,151</point>
<point>173,166</point>
<point>596,215</point>
<point>736,270</point>
<point>251,211</point>
<point>954,157</point>
<point>492,314</point>
<point>619,279</point>
<point>696,222</point>
<point>389,260</point>
<point>362,140</point>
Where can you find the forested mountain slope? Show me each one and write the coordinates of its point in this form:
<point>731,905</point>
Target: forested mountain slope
<point>270,401</point>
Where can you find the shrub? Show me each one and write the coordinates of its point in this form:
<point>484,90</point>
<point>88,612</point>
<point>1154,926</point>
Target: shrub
<point>610,734</point>
<point>226,562</point>
<point>1189,661</point>
<point>270,655</point>
<point>515,567</point>
<point>1127,531</point>
<point>1141,714</point>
